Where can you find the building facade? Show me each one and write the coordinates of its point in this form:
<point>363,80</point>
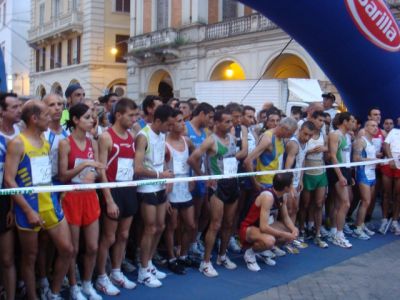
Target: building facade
<point>176,43</point>
<point>14,25</point>
<point>81,41</point>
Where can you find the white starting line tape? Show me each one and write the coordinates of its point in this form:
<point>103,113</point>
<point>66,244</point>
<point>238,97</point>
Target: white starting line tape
<point>93,186</point>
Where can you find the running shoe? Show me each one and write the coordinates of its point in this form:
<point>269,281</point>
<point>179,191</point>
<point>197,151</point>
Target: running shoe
<point>395,228</point>
<point>43,290</point>
<point>291,249</point>
<point>320,242</point>
<point>302,236</point>
<point>360,234</point>
<point>347,229</point>
<point>278,251</point>
<point>120,280</point>
<point>266,259</point>
<point>195,251</point>
<point>146,277</point>
<point>200,245</point>
<point>105,286</point>
<point>367,230</point>
<point>159,260</point>
<point>341,241</point>
<point>226,262</point>
<point>175,267</point>
<point>299,244</point>
<point>251,261</point>
<point>127,266</point>
<point>158,274</point>
<point>324,233</point>
<point>75,293</point>
<point>268,253</point>
<point>51,296</point>
<point>89,292</point>
<point>233,245</point>
<point>207,269</point>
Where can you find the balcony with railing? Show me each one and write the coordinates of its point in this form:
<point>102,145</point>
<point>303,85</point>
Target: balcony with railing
<point>70,21</point>
<point>167,40</point>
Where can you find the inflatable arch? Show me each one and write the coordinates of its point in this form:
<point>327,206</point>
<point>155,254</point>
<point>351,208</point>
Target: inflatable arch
<point>355,42</point>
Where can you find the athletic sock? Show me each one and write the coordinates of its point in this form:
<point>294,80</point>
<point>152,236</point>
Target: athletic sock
<point>116,273</point>
<point>334,230</point>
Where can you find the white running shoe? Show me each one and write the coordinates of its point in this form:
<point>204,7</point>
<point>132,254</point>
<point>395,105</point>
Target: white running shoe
<point>268,253</point>
<point>105,286</point>
<point>226,262</point>
<point>341,241</point>
<point>278,252</point>
<point>158,274</point>
<point>395,228</point>
<point>251,261</point>
<point>266,259</point>
<point>347,229</point>
<point>120,280</point>
<point>51,296</point>
<point>90,293</point>
<point>208,269</point>
<point>360,234</point>
<point>383,227</point>
<point>367,230</point>
<point>233,245</point>
<point>75,293</point>
<point>323,231</point>
<point>147,278</point>
<point>43,291</point>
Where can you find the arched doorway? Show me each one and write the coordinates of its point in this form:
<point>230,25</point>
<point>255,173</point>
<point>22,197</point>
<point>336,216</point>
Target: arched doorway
<point>118,87</point>
<point>286,66</point>
<point>41,91</point>
<point>228,70</point>
<point>57,89</point>
<point>161,84</point>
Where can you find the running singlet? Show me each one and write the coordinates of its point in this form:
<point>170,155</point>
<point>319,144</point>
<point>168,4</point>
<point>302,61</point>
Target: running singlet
<point>299,160</point>
<point>77,156</point>
<point>154,157</point>
<point>369,151</point>
<point>196,139</point>
<point>269,161</point>
<point>378,140</point>
<point>178,163</point>
<point>393,139</point>
<point>224,160</point>
<point>344,148</point>
<point>253,216</point>
<point>54,139</point>
<point>35,169</point>
<point>315,159</point>
<point>3,150</point>
<point>120,161</point>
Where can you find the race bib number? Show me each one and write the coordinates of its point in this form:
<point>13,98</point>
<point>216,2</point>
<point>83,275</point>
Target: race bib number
<point>41,170</point>
<point>370,172</point>
<point>230,165</point>
<point>124,169</point>
<point>87,175</point>
<point>180,167</point>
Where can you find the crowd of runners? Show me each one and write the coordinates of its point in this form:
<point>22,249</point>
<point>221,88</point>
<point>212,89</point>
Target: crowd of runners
<point>87,240</point>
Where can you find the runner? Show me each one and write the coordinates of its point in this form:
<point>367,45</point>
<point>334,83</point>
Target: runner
<point>149,163</point>
<point>179,198</point>
<point>339,142</point>
<point>315,181</point>
<point>10,111</point>
<point>149,106</point>
<point>388,125</point>
<point>268,154</point>
<point>28,164</point>
<point>220,149</point>
<point>392,173</point>
<point>260,230</point>
<point>202,116</point>
<point>365,150</point>
<point>74,94</point>
<point>117,153</point>
<point>186,108</point>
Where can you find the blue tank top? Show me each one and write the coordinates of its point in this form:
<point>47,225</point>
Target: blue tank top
<point>196,139</point>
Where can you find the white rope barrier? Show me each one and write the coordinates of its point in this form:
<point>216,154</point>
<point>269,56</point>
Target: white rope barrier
<point>135,183</point>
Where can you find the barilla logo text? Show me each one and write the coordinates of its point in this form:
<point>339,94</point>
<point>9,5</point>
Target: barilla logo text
<point>375,21</point>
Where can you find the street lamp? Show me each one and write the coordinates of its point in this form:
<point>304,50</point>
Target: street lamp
<point>114,51</point>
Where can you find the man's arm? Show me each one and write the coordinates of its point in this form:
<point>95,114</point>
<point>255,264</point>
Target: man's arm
<point>333,143</point>
<point>15,152</point>
<point>243,152</point>
<point>287,220</point>
<point>292,149</point>
<point>358,147</point>
<point>194,159</point>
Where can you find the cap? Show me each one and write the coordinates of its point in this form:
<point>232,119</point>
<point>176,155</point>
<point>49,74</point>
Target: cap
<point>72,88</point>
<point>329,96</point>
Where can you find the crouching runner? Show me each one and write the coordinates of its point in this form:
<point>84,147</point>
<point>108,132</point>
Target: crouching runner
<point>261,230</point>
